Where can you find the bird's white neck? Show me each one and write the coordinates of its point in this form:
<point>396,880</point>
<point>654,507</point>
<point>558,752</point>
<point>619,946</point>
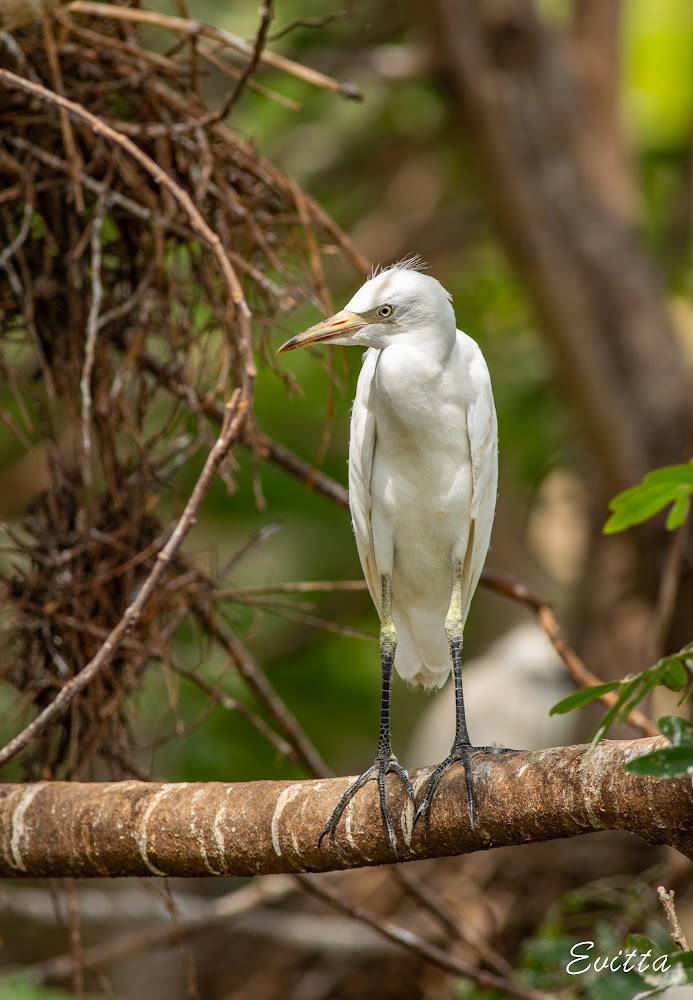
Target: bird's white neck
<point>424,349</point>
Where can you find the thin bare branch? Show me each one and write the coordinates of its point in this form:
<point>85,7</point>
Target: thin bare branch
<point>667,900</point>
<point>233,705</point>
<point>508,985</point>
<point>92,331</point>
<point>15,13</point>
<point>583,677</point>
<point>285,721</point>
<point>266,15</point>
<point>226,908</point>
<point>461,930</point>
<point>195,28</point>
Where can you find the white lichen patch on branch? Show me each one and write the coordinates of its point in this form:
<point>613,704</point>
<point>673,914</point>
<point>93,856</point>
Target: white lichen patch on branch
<point>141,833</point>
<point>287,796</point>
<point>349,835</point>
<point>218,827</point>
<point>407,818</point>
<point>199,832</point>
<point>18,826</point>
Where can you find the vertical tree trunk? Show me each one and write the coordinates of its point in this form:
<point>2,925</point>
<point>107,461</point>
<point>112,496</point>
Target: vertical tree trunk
<point>537,112</point>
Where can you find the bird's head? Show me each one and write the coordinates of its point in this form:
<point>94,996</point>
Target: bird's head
<point>393,305</point>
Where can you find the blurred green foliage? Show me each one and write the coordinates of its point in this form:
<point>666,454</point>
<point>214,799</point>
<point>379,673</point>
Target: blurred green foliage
<point>21,987</point>
<point>604,920</point>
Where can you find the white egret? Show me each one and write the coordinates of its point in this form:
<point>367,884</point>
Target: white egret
<point>423,471</point>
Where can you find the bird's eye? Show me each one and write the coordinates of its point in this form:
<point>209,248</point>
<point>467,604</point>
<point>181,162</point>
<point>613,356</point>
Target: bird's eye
<point>385,311</point>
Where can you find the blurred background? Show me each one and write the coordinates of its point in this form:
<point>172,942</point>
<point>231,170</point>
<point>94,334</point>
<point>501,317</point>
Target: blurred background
<point>539,157</point>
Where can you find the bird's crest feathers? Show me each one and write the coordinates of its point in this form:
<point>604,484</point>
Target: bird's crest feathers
<point>412,262</point>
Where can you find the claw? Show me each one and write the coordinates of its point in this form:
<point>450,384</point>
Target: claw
<point>462,753</point>
<point>379,770</point>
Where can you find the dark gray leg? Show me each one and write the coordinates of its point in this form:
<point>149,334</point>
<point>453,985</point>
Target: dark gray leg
<point>462,748</point>
<point>385,760</point>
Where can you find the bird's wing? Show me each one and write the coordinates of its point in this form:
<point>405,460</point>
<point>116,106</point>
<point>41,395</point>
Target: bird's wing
<point>482,428</point>
<point>361,449</point>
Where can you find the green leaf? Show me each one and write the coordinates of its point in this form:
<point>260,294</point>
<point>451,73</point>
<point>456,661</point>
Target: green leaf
<point>642,944</point>
<point>683,958</point>
<point>672,762</point>
<point>671,474</point>
<point>679,512</point>
<point>637,504</point>
<point>677,729</point>
<point>619,709</point>
<point>672,484</point>
<point>584,697</point>
<point>672,674</point>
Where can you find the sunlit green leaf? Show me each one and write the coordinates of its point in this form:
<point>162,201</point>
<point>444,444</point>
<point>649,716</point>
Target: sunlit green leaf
<point>673,674</point>
<point>672,484</point>
<point>585,697</point>
<point>673,474</point>
<point>618,710</point>
<point>671,762</point>
<point>679,512</point>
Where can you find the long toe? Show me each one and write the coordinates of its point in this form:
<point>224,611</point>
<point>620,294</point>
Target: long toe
<point>379,770</point>
<point>459,754</point>
<point>346,798</point>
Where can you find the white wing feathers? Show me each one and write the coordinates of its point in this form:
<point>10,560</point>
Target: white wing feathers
<point>483,446</point>
<point>361,449</point>
<point>482,428</point>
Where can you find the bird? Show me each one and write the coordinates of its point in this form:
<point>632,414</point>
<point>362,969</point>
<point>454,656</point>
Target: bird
<point>423,472</point>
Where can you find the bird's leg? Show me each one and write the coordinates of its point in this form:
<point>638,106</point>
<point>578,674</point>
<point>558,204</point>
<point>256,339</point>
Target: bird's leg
<point>385,760</point>
<point>462,748</point>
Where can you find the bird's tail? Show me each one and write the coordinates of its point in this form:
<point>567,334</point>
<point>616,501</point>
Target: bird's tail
<point>422,655</point>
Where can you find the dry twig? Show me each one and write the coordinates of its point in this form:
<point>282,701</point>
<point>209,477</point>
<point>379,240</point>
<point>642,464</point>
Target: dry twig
<point>508,985</point>
<point>667,899</point>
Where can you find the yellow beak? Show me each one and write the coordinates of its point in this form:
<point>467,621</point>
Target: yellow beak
<point>342,325</point>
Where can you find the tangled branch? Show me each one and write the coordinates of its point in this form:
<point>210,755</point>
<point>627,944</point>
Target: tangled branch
<point>125,355</point>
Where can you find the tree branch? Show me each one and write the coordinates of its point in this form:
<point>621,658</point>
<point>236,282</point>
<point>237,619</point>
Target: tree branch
<point>86,830</point>
<point>15,13</point>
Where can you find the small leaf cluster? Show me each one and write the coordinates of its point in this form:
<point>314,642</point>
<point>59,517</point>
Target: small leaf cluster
<point>670,672</point>
<point>679,971</point>
<point>672,484</point>
<point>673,761</point>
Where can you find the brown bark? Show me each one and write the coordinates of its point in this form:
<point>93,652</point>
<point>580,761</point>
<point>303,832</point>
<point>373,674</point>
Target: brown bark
<point>83,830</point>
<point>15,13</point>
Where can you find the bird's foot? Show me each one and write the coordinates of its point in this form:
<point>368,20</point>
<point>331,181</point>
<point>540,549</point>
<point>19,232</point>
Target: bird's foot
<point>460,752</point>
<point>383,764</point>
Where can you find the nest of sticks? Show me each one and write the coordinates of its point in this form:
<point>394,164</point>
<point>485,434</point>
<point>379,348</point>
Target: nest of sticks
<point>146,252</point>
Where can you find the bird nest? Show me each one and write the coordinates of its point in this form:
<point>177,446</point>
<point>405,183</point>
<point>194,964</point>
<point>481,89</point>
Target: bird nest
<point>146,252</point>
